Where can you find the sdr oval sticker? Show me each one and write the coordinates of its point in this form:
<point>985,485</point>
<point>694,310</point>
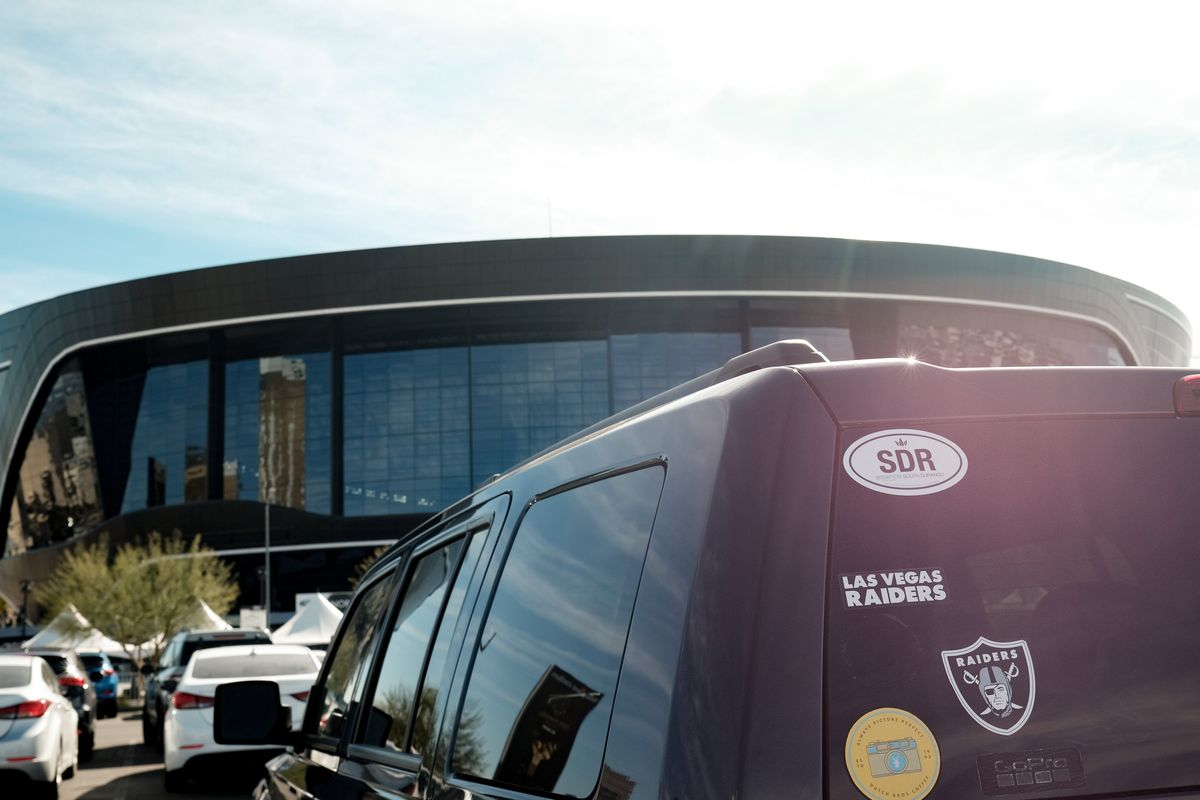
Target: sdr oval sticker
<point>905,462</point>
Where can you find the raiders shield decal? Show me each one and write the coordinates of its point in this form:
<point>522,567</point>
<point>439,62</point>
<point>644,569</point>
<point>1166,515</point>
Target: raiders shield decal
<point>994,682</point>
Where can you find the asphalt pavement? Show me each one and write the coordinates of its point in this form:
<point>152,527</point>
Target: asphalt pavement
<point>125,769</point>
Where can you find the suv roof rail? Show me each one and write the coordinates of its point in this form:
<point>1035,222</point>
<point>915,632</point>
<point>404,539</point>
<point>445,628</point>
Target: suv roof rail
<point>783,353</point>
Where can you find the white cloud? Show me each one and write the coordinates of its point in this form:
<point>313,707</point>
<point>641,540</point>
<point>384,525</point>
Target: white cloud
<point>1066,131</point>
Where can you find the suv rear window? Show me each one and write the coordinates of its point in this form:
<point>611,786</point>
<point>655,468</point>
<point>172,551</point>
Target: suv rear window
<point>192,646</point>
<point>254,666</point>
<point>1039,620</point>
<point>12,676</point>
<point>57,663</point>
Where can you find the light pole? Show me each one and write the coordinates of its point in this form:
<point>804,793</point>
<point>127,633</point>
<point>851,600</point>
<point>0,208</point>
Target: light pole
<point>25,587</point>
<point>267,556</point>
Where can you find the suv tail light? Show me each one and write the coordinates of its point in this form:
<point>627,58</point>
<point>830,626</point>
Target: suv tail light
<point>27,710</point>
<point>301,696</point>
<point>71,680</point>
<point>107,671</point>
<point>187,700</point>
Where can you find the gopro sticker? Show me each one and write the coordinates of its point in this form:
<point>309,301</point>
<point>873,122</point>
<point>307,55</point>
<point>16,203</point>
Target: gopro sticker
<point>905,462</point>
<point>1053,769</point>
<point>892,755</point>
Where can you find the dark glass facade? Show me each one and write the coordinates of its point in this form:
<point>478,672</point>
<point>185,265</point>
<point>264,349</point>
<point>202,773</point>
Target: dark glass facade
<point>365,388</point>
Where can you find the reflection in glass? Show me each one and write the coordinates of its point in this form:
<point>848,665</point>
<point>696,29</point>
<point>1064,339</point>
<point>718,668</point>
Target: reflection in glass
<point>645,364</point>
<point>423,732</point>
<point>169,451</point>
<point>59,492</point>
<point>277,424</point>
<point>395,689</point>
<point>350,661</point>
<point>525,397</point>
<point>541,688</point>
<point>407,431</point>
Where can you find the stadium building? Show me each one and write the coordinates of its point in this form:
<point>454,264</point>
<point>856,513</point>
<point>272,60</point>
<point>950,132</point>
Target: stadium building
<point>360,392</point>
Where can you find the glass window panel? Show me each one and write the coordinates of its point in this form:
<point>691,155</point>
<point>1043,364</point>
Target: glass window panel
<point>540,692</point>
<point>277,430</point>
<point>645,364</point>
<point>396,688</point>
<point>349,661</point>
<point>515,392</point>
<point>58,493</point>
<point>169,449</point>
<point>408,411</point>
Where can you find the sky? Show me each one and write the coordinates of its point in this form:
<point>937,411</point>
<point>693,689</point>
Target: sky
<point>139,138</point>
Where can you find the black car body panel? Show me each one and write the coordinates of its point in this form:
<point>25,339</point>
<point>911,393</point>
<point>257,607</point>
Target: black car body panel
<point>750,652</point>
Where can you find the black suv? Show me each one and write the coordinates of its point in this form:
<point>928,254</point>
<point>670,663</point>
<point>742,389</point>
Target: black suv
<point>879,579</point>
<point>162,678</point>
<point>74,683</point>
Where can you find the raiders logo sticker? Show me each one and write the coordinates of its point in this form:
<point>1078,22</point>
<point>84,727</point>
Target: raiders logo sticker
<point>905,462</point>
<point>892,755</point>
<point>994,682</point>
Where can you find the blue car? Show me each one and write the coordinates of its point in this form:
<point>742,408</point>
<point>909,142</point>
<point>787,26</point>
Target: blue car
<point>104,678</point>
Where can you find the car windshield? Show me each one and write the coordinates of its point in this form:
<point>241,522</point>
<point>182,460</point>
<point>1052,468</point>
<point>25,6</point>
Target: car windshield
<point>254,666</point>
<point>14,675</point>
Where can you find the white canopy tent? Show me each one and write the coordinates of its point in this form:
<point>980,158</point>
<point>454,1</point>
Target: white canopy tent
<point>313,625</point>
<point>205,619</point>
<point>71,629</point>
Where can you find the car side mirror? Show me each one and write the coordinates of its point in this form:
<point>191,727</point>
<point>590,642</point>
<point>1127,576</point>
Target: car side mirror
<point>249,712</point>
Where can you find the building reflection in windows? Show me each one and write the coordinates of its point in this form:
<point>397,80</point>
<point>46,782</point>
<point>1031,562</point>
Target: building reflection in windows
<point>645,364</point>
<point>407,431</point>
<point>277,430</point>
<point>59,492</point>
<point>169,454</point>
<point>525,397</point>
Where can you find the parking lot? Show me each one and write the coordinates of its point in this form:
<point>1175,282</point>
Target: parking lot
<point>126,769</point>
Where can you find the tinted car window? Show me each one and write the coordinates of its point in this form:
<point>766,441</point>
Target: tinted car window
<point>254,666</point>
<point>540,693</point>
<point>13,676</point>
<point>422,728</point>
<point>349,661</point>
<point>412,629</point>
<point>1040,618</point>
<point>93,662</point>
<point>57,663</point>
<point>189,647</point>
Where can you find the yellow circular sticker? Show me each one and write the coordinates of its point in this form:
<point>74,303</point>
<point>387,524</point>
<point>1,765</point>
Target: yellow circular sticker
<point>892,755</point>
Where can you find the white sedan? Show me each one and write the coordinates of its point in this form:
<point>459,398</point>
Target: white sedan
<point>38,726</point>
<point>188,739</point>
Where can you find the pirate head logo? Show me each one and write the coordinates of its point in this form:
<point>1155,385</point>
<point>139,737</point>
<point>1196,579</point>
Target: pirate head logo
<point>994,682</point>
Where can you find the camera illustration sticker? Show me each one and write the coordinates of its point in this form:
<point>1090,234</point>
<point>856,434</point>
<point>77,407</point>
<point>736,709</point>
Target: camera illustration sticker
<point>994,682</point>
<point>892,755</point>
<point>905,462</point>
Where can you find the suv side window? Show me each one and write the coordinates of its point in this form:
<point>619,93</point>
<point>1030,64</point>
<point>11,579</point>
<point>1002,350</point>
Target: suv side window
<point>347,663</point>
<point>440,573</point>
<point>540,692</point>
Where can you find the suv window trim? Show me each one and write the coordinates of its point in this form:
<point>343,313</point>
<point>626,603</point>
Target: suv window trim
<point>475,524</point>
<point>465,664</point>
<point>337,745</point>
